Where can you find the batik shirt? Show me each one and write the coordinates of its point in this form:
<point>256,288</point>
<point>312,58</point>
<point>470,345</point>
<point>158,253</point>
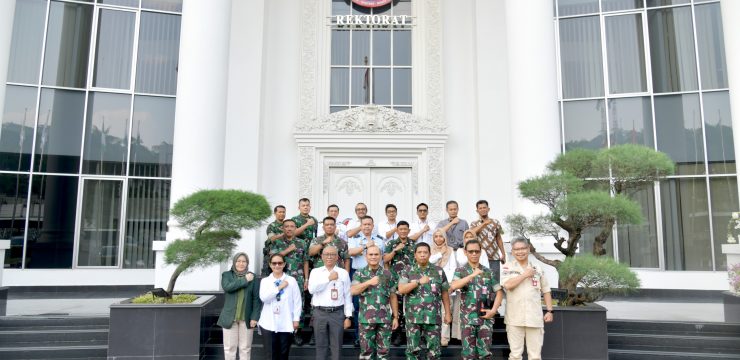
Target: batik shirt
<point>375,301</point>
<point>424,303</point>
<point>482,288</point>
<point>487,238</point>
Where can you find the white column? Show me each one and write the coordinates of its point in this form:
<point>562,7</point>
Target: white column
<point>200,119</point>
<point>532,92</point>
<point>7,11</point>
<point>731,29</point>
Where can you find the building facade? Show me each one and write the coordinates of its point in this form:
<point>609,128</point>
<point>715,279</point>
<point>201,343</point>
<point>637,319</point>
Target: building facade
<point>113,110</point>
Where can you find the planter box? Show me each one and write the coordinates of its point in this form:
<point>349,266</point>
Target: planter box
<point>577,333</point>
<point>732,307</point>
<point>157,331</point>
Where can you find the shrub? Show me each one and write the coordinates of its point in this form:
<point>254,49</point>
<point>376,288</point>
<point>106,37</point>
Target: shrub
<point>588,278</point>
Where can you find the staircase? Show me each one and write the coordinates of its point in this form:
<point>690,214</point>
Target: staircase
<point>638,340</point>
<point>53,337</point>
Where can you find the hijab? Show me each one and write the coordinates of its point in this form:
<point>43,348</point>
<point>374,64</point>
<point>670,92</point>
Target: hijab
<point>443,249</point>
<point>233,264</point>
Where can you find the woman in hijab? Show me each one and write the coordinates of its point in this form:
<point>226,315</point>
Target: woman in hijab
<point>444,256</point>
<point>281,310</point>
<point>242,307</point>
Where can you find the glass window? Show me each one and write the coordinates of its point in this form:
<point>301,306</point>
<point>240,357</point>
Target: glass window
<point>686,224</point>
<point>724,201</point>
<point>16,133</point>
<point>13,197</point>
<point>653,3</point>
<point>129,3</point>
<point>360,86</point>
<point>382,86</point>
<point>340,47</point>
<point>710,40</point>
<point>402,48</point>
<point>61,115</point>
<point>361,47</point>
<point>51,223</point>
<point>114,49</point>
<point>381,48</point>
<point>100,223</point>
<point>152,135</point>
<point>164,5</point>
<point>638,244</point>
<point>585,124</point>
<point>580,57</point>
<point>718,125</point>
<point>616,5</point>
<point>67,44</point>
<point>339,86</point>
<point>402,86</point>
<point>577,7</point>
<point>672,49</point>
<point>159,50</point>
<point>625,54</point>
<point>631,121</point>
<point>679,133</point>
<point>106,134</point>
<point>147,212</point>
<point>25,47</point>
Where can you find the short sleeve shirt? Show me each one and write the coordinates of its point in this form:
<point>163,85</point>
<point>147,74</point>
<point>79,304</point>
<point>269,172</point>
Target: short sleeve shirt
<point>424,303</point>
<point>359,261</point>
<point>310,232</point>
<point>375,301</point>
<point>455,233</point>
<point>523,303</point>
<point>482,288</point>
<point>341,246</point>
<point>487,237</point>
<point>403,258</point>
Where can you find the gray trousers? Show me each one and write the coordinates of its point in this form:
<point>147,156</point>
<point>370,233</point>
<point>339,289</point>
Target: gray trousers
<point>328,327</point>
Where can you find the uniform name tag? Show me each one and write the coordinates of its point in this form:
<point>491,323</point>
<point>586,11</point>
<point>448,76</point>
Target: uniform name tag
<point>276,309</point>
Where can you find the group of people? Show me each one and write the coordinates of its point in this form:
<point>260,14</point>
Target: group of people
<point>423,281</point>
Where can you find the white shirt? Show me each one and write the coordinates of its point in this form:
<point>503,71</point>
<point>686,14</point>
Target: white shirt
<point>462,260</point>
<point>288,308</point>
<point>341,231</point>
<point>449,268</point>
<point>384,228</point>
<point>320,287</point>
<point>417,225</point>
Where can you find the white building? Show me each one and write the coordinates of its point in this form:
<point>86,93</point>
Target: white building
<point>115,109</point>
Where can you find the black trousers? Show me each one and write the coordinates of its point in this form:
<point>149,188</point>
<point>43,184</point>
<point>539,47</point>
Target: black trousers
<point>277,344</point>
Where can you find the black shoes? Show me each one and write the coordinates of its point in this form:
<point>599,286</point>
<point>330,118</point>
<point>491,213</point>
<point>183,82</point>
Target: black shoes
<point>313,340</point>
<point>298,339</point>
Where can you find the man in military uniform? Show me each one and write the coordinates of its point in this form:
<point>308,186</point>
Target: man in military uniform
<point>295,253</point>
<point>330,238</point>
<point>399,254</point>
<point>489,233</point>
<point>306,225</point>
<point>426,286</point>
<point>357,246</point>
<point>274,232</point>
<point>525,283</point>
<point>477,287</point>
<point>378,313</point>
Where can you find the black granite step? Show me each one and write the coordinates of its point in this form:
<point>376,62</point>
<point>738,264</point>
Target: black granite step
<point>627,354</point>
<point>54,352</point>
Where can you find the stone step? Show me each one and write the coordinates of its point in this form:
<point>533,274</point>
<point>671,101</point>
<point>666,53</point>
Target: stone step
<point>54,352</point>
<point>631,354</point>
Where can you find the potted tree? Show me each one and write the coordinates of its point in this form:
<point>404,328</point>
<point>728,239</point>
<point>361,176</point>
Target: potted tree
<point>212,220</point>
<point>583,191</point>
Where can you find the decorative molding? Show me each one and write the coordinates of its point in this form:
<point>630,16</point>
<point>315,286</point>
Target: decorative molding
<point>349,185</point>
<point>391,187</point>
<point>435,174</point>
<point>433,60</point>
<point>310,23</point>
<point>330,164</point>
<point>370,119</point>
<point>306,156</point>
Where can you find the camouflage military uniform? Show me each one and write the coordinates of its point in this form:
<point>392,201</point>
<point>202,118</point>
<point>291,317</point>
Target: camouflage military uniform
<point>476,332</point>
<point>310,232</point>
<point>341,246</point>
<point>375,316</point>
<point>275,228</point>
<point>424,310</point>
<point>293,261</point>
<point>402,259</point>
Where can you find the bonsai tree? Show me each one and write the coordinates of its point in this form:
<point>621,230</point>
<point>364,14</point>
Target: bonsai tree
<point>589,278</point>
<point>213,220</point>
<point>587,189</point>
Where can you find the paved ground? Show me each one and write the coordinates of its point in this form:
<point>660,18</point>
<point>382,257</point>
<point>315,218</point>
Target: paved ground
<point>625,310</point>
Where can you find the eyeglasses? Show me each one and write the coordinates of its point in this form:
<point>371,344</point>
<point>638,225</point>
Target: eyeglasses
<point>473,252</point>
<point>361,209</point>
<point>277,263</point>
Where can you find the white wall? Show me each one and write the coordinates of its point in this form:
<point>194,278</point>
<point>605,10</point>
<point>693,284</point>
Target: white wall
<point>77,277</point>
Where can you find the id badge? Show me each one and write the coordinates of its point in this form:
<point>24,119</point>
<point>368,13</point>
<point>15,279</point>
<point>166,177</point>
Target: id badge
<point>334,294</point>
<point>434,287</point>
<point>485,291</point>
<point>276,309</point>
